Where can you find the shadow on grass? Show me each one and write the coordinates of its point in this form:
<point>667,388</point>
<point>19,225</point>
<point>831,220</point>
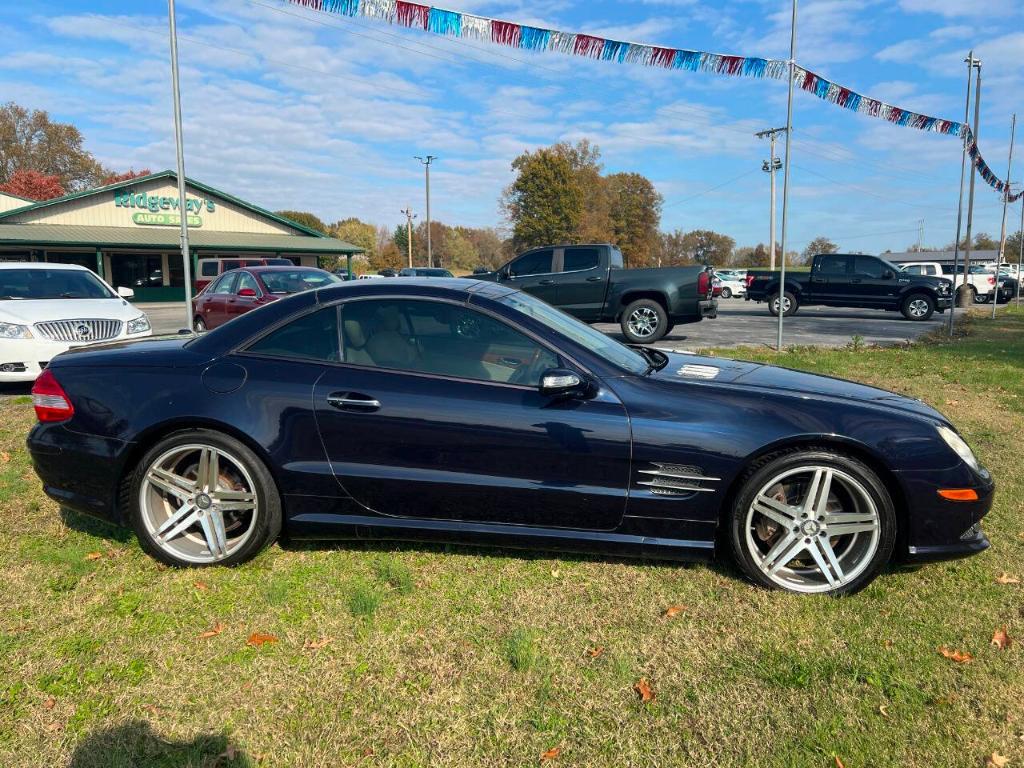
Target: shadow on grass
<point>135,745</point>
<point>93,526</point>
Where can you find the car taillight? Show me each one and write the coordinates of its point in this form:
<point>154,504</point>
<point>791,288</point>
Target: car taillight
<point>704,283</point>
<point>50,400</point>
<point>750,280</point>
<point>991,281</point>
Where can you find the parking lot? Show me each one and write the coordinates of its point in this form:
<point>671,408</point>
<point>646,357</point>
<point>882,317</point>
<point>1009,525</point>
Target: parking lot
<point>739,323</point>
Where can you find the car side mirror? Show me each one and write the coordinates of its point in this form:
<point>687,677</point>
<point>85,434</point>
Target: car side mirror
<point>247,293</point>
<point>888,274</point>
<point>125,293</point>
<point>561,382</point>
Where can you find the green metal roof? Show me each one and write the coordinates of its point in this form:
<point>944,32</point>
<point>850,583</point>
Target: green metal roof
<point>70,235</point>
<point>162,175</point>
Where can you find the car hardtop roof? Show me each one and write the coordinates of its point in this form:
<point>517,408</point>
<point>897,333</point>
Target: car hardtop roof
<point>272,268</point>
<point>459,288</point>
<point>40,265</point>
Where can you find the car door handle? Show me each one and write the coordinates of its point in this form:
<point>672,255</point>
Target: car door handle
<point>595,279</point>
<point>546,282</point>
<point>854,279</point>
<point>353,401</point>
<point>818,280</point>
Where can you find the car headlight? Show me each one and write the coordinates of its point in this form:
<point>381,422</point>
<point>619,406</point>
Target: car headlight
<point>139,324</point>
<point>12,331</point>
<point>960,446</point>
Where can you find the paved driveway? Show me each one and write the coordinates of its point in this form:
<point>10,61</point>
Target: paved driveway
<point>739,323</point>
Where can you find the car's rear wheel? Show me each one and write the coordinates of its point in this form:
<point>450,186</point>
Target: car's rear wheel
<point>918,306</point>
<point>789,304</point>
<point>644,321</point>
<point>198,325</point>
<point>813,521</point>
<point>202,498</point>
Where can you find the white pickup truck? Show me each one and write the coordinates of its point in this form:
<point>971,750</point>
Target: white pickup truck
<point>981,279</point>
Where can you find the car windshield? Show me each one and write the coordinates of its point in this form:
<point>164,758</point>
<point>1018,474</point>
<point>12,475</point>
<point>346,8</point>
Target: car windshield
<point>43,283</point>
<point>615,353</point>
<point>285,281</point>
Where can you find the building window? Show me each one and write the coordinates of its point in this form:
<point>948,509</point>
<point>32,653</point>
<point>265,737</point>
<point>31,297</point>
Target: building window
<point>131,270</point>
<point>176,270</point>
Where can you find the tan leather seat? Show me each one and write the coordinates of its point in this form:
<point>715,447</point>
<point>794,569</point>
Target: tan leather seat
<point>355,342</point>
<point>387,346</point>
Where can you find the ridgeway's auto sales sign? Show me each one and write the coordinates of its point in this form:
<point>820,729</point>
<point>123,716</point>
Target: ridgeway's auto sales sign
<point>163,210</point>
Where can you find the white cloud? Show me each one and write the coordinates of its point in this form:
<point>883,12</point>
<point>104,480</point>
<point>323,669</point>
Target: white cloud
<point>952,8</point>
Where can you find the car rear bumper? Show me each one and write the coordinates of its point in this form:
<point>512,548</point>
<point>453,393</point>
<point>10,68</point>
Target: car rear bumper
<point>708,309</point>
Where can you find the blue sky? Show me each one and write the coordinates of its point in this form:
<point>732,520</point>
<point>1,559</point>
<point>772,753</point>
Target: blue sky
<point>294,109</point>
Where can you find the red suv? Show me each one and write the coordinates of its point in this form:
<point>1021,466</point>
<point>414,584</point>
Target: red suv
<point>243,290</point>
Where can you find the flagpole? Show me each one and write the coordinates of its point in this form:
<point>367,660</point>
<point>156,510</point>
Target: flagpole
<point>1006,203</point>
<point>960,207</point>
<point>785,175</point>
<point>186,253</point>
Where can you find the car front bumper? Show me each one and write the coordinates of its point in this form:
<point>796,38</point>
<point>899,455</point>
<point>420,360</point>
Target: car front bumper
<point>24,359</point>
<point>943,303</point>
<point>939,529</point>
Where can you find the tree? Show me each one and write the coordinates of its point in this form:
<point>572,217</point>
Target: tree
<point>306,219</point>
<point>490,246</point>
<point>585,160</point>
<point>545,202</point>
<point>1012,250</point>
<point>112,177</point>
<point>30,141</point>
<point>388,257</point>
<point>704,246</point>
<point>461,255</point>
<point>635,215</point>
<point>816,246</point>
<point>982,242</point>
<point>33,185</point>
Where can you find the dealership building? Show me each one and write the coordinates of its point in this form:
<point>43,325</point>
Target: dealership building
<point>129,233</point>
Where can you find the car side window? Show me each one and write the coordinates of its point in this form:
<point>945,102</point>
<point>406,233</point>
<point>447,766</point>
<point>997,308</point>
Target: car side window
<point>579,259</point>
<point>615,259</point>
<point>536,263</point>
<point>314,336</point>
<point>832,264</point>
<point>914,269</point>
<point>226,284</point>
<point>866,266</point>
<point>245,280</point>
<point>439,338</point>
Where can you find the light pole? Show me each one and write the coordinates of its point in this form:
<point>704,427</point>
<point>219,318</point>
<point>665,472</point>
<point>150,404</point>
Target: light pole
<point>186,254</point>
<point>409,216</point>
<point>1006,203</point>
<point>960,205</point>
<point>426,164</point>
<point>785,174</point>
<point>976,63</point>
<point>770,166</point>
<point>1020,248</point>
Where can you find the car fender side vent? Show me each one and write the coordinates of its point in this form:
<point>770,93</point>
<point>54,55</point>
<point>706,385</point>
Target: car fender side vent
<point>675,480</point>
<point>692,371</point>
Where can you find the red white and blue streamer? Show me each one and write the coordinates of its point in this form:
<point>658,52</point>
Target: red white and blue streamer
<point>471,27</point>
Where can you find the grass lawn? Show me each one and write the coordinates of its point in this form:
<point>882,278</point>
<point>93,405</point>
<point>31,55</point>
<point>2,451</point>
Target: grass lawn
<point>410,655</point>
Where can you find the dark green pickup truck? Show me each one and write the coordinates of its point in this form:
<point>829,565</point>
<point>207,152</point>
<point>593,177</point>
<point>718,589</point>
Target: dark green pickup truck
<point>590,283</point>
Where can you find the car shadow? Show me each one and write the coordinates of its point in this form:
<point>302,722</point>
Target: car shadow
<point>135,744</point>
<point>93,526</point>
<point>13,389</point>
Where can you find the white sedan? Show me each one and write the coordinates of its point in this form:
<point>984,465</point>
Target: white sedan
<point>732,286</point>
<point>46,309</point>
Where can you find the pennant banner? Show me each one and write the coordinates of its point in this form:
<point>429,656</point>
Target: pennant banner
<point>456,24</point>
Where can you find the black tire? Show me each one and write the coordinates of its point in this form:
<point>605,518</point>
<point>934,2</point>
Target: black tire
<point>726,293</point>
<point>643,314</point>
<point>765,470</point>
<point>918,307</point>
<point>265,529</point>
<point>198,324</point>
<point>794,304</point>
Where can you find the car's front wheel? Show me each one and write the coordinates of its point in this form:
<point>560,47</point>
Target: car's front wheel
<point>200,497</point>
<point>644,321</point>
<point>198,325</point>
<point>918,306</point>
<point>812,521</point>
<point>726,293</point>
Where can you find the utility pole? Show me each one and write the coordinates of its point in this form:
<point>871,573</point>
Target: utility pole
<point>960,205</point>
<point>409,216</point>
<point>186,253</point>
<point>770,166</point>
<point>785,174</point>
<point>426,164</point>
<point>965,295</point>
<point>1006,203</point>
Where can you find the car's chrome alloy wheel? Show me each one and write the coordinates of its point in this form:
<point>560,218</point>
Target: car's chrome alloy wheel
<point>786,303</point>
<point>813,529</point>
<point>643,322</point>
<point>918,308</point>
<point>199,503</point>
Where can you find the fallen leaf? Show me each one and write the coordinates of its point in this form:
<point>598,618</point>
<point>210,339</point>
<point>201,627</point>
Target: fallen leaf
<point>960,657</point>
<point>53,726</point>
<point>596,651</point>
<point>50,702</point>
<point>94,556</point>
<point>316,645</point>
<point>883,710</point>
<point>995,760</point>
<point>1005,578</point>
<point>643,688</point>
<point>550,754</point>
<point>952,402</point>
<point>153,709</point>
<point>672,611</point>
<point>217,629</point>
<point>839,763</point>
<point>555,573</point>
<point>247,686</point>
<point>257,639</point>
<point>201,586</point>
<point>5,457</point>
<point>1001,640</point>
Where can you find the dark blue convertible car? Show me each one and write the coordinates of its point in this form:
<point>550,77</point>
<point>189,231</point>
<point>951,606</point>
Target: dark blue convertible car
<point>447,410</point>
